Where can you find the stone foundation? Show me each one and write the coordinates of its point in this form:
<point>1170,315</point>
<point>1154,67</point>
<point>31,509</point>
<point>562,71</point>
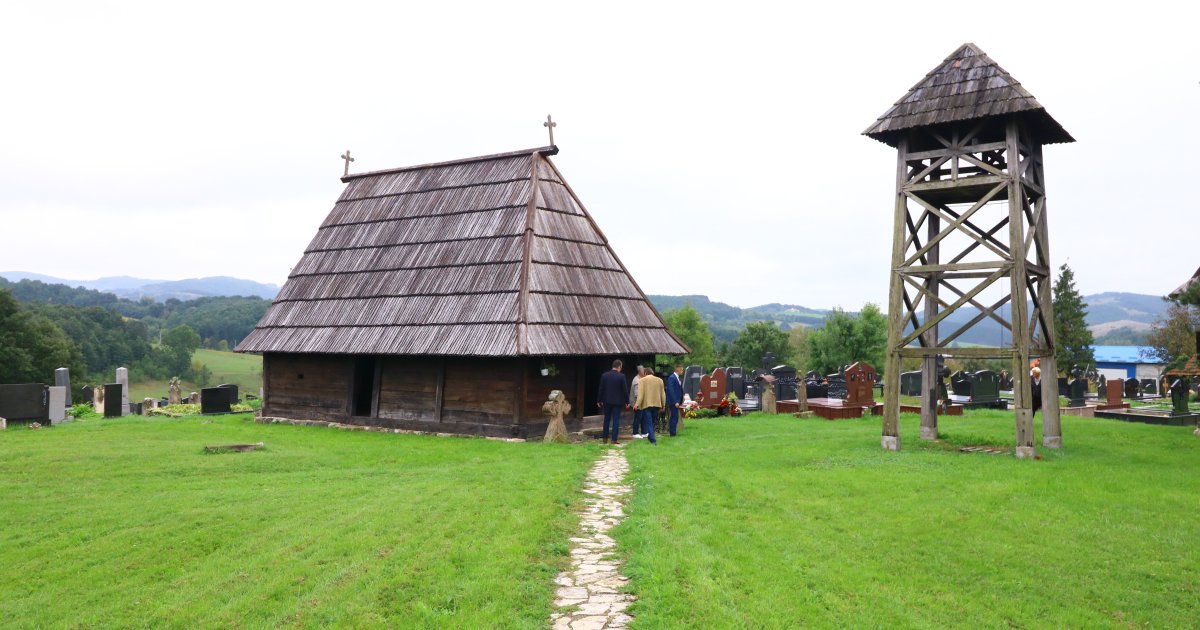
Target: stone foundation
<point>890,442</point>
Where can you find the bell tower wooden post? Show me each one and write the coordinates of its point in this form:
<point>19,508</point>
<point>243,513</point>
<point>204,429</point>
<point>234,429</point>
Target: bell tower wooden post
<point>970,216</point>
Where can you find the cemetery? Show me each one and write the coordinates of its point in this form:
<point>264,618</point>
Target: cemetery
<point>454,319</point>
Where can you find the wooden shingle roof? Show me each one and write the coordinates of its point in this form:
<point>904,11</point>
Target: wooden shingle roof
<point>968,85</point>
<point>488,256</point>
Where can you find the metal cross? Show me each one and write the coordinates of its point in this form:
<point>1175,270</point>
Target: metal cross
<point>550,124</point>
<point>346,156</point>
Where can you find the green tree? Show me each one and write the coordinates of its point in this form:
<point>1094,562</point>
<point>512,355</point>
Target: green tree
<point>178,344</point>
<point>755,341</point>
<point>846,339</point>
<point>32,346</point>
<point>690,327</point>
<point>799,338</point>
<point>1071,333</point>
<point>1172,338</point>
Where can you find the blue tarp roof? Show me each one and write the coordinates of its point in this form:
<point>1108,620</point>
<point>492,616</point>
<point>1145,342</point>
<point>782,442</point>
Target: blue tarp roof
<point>1123,354</point>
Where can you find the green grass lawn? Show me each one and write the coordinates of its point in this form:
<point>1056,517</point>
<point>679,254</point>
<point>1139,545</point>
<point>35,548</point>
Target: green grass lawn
<point>243,370</point>
<point>774,522</point>
<point>126,523</point>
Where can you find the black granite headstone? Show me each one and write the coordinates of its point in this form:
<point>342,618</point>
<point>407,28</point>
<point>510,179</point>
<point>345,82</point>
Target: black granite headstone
<point>985,386</point>
<point>785,382</point>
<point>25,401</point>
<point>87,395</point>
<point>1077,391</point>
<point>910,384</point>
<point>1133,389</point>
<point>135,408</point>
<point>214,400</point>
<point>960,383</point>
<point>112,400</point>
<point>735,381</point>
<point>233,392</point>
<point>691,380</point>
<point>1149,386</point>
<point>1102,388</point>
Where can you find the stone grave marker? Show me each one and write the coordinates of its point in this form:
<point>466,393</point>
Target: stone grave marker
<point>1149,386</point>
<point>1006,381</point>
<point>960,384</point>
<point>860,384</point>
<point>86,395</point>
<point>214,400</point>
<point>62,378</point>
<point>232,390</point>
<point>1102,387</point>
<point>691,380</point>
<point>174,391</point>
<point>785,382</point>
<point>1132,388</point>
<point>1113,391</point>
<point>910,383</point>
<point>768,394</point>
<point>98,399</point>
<point>713,389</point>
<point>836,384</point>
<point>25,401</point>
<point>194,398</point>
<point>123,379</point>
<point>735,379</point>
<point>113,393</point>
<point>1077,390</point>
<point>135,408</point>
<point>58,403</point>
<point>1064,386</point>
<point>985,386</point>
<point>147,405</point>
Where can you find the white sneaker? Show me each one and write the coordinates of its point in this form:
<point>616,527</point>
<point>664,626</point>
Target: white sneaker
<point>639,436</point>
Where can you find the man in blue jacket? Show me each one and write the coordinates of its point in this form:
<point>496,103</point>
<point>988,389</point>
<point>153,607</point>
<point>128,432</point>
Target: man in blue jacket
<point>674,397</point>
<point>612,398</point>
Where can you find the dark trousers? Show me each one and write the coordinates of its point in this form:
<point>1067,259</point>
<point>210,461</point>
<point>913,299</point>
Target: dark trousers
<point>673,423</point>
<point>649,417</point>
<point>612,418</point>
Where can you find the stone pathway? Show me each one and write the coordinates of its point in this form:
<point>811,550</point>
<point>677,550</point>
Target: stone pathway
<point>589,596</point>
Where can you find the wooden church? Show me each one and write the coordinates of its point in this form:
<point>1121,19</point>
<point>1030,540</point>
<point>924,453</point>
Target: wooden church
<point>454,297</point>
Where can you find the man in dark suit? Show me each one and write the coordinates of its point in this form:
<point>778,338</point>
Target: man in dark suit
<point>1035,390</point>
<point>612,398</point>
<point>674,397</point>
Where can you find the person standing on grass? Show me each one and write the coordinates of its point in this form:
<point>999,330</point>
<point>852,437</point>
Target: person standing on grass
<point>612,400</point>
<point>651,399</point>
<point>637,415</point>
<point>1036,389</point>
<point>674,398</point>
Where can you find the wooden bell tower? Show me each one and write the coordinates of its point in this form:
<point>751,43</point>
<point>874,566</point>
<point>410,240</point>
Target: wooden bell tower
<point>970,240</point>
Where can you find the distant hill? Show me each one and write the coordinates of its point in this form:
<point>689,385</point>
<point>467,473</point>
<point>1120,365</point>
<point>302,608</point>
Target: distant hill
<point>1114,318</point>
<point>160,290</point>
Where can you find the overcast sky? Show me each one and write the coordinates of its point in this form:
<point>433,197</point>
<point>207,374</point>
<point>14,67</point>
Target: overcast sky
<point>718,146</point>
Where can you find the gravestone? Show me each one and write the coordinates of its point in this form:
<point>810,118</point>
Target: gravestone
<point>785,381</point>
<point>123,379</point>
<point>985,386</point>
<point>1006,381</point>
<point>1132,388</point>
<point>86,395</point>
<point>194,398</point>
<point>768,396</point>
<point>232,390</point>
<point>1102,387</point>
<point>735,379</point>
<point>860,384</point>
<point>960,383</point>
<point>112,397</point>
<point>58,404</point>
<point>1077,390</point>
<point>1064,386</point>
<point>802,397</point>
<point>910,384</point>
<point>25,401</point>
<point>836,384</point>
<point>1113,391</point>
<point>555,408</point>
<point>214,400</point>
<point>713,388</point>
<point>1179,394</point>
<point>1149,386</point>
<point>98,399</point>
<point>174,391</point>
<point>147,405</point>
<point>62,378</point>
<point>691,380</point>
<point>135,408</point>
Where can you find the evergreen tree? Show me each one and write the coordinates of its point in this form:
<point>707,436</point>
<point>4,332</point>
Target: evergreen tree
<point>693,331</point>
<point>1070,324</point>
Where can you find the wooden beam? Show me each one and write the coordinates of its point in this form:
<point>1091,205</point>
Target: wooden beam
<point>954,225</point>
<point>946,213</point>
<point>966,353</point>
<point>439,390</point>
<point>920,270</point>
<point>987,282</point>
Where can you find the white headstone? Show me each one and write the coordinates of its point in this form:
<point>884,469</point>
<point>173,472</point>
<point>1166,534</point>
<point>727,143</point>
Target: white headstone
<point>4,424</point>
<point>62,377</point>
<point>123,379</point>
<point>58,405</point>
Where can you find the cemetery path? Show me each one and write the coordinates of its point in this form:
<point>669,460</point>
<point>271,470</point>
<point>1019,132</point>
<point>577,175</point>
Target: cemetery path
<point>588,596</point>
